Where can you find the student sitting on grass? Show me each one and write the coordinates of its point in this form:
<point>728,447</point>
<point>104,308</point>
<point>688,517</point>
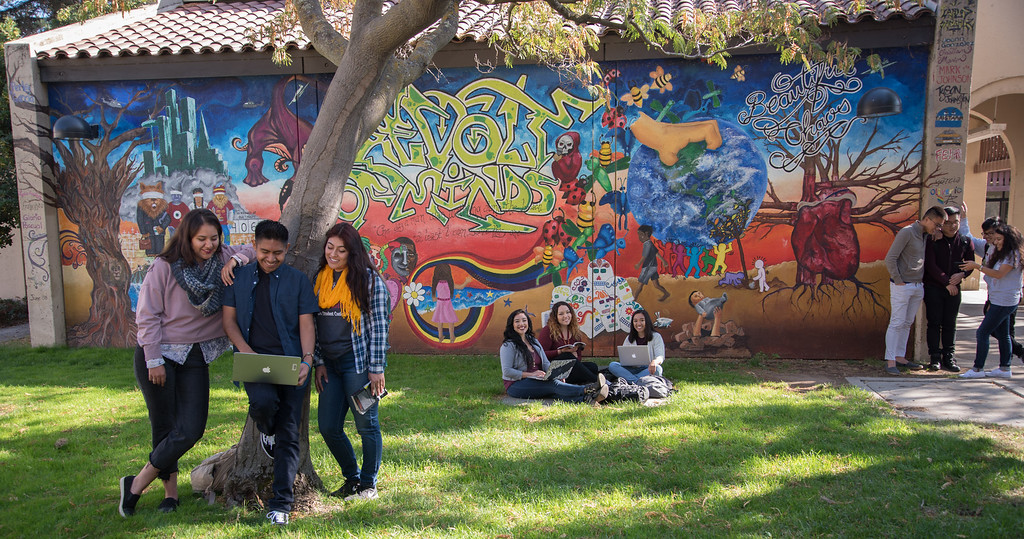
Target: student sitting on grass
<point>269,310</point>
<point>641,333</point>
<point>179,335</point>
<point>524,367</point>
<point>562,339</point>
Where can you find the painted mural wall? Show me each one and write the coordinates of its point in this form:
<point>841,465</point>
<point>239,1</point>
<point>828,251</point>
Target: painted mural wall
<point>675,187</point>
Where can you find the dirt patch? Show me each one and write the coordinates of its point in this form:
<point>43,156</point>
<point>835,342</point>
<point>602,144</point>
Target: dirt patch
<point>808,375</point>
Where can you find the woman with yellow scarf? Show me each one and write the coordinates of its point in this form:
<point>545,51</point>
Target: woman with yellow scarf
<point>352,340</point>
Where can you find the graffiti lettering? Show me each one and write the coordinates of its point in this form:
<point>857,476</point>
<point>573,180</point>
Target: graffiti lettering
<point>957,19</point>
<point>956,41</point>
<point>949,154</point>
<point>953,95</point>
<point>35,252</point>
<point>476,153</point>
<point>803,112</point>
<point>953,56</point>
<point>22,93</point>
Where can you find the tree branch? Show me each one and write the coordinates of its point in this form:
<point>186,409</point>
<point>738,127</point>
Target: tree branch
<point>326,40</point>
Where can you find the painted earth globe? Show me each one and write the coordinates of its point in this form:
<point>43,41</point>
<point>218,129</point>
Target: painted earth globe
<point>707,197</point>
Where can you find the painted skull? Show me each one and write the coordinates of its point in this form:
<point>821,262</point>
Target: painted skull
<point>564,145</point>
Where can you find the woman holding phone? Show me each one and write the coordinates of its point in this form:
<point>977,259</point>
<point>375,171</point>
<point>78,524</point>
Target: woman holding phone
<point>352,341</point>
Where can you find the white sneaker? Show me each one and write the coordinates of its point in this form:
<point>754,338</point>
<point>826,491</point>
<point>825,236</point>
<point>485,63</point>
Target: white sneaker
<point>973,373</point>
<point>999,373</point>
<point>267,443</point>
<point>278,518</point>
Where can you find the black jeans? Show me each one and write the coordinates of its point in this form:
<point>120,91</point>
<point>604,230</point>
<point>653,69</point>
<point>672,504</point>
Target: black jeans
<point>941,309</point>
<point>582,373</point>
<point>277,410</point>
<point>177,410</point>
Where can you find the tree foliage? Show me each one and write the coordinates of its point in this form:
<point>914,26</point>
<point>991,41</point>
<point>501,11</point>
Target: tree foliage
<point>27,17</point>
<point>9,215</point>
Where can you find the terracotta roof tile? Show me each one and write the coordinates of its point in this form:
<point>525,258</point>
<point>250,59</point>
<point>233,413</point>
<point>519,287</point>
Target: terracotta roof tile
<point>201,28</point>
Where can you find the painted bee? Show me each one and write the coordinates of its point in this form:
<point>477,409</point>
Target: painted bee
<point>636,95</point>
<point>661,80</point>
<point>605,157</point>
<point>585,214</point>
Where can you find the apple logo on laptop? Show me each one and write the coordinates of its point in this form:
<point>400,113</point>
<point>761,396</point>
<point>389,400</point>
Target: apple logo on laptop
<point>266,370</point>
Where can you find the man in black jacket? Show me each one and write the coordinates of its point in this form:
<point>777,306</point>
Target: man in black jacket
<point>942,278</point>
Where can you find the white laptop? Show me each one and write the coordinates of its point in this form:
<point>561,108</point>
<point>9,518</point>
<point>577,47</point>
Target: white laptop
<point>634,356</point>
<point>266,369</point>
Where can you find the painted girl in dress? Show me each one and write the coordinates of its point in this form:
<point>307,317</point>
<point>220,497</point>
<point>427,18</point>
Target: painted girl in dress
<point>443,287</point>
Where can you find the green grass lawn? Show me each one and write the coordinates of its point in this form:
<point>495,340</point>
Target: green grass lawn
<point>727,455</point>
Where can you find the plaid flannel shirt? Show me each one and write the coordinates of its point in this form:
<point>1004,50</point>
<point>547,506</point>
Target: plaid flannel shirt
<point>371,342</point>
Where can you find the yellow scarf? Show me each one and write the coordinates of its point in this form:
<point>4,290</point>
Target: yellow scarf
<point>330,294</point>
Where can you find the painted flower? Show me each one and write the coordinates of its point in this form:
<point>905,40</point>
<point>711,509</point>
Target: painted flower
<point>414,294</point>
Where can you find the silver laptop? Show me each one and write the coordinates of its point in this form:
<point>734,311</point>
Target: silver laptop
<point>634,356</point>
<point>266,369</point>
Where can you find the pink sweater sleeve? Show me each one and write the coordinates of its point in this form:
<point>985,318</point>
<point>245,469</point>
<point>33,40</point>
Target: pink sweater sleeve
<point>149,312</point>
<point>245,252</point>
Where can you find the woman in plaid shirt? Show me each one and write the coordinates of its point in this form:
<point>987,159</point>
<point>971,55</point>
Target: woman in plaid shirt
<point>352,341</point>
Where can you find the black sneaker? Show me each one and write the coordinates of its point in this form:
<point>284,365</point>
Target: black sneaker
<point>126,502</point>
<point>596,391</point>
<point>267,443</point>
<point>949,364</point>
<point>350,487</point>
<point>169,505</point>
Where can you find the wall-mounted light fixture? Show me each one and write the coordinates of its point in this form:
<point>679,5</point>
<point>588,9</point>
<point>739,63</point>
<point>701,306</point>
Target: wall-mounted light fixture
<point>74,128</point>
<point>878,102</point>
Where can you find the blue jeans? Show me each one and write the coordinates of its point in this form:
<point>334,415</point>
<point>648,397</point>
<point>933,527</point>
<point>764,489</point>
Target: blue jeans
<point>996,324</point>
<point>177,410</point>
<point>342,382</point>
<point>277,410</point>
<point>532,388</point>
<point>631,374</point>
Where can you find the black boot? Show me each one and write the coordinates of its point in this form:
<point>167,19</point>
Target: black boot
<point>935,363</point>
<point>948,363</point>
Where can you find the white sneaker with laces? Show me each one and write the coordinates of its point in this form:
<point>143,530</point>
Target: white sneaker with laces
<point>999,373</point>
<point>364,493</point>
<point>973,373</point>
<point>278,518</point>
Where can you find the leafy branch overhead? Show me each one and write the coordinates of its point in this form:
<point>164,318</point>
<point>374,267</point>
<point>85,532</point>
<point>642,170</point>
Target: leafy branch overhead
<point>562,35</point>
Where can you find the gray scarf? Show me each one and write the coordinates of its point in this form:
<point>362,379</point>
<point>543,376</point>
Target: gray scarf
<point>201,283</point>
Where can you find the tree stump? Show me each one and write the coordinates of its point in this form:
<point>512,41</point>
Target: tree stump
<point>244,475</point>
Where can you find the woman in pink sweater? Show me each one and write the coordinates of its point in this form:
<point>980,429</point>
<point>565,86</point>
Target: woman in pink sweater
<point>178,337</point>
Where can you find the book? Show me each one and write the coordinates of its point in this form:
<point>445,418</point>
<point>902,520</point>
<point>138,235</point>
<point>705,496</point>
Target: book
<point>574,346</point>
<point>364,399</point>
<point>559,369</point>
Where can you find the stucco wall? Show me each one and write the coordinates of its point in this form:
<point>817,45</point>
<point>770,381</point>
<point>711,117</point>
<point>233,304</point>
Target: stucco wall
<point>12,268</point>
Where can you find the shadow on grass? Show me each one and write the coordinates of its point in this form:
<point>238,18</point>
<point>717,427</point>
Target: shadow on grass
<point>726,456</point>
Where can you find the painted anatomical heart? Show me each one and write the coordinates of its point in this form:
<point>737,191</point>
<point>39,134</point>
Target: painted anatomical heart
<point>825,241</point>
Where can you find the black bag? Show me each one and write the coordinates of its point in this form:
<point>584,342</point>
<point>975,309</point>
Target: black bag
<point>658,387</point>
<point>621,390</point>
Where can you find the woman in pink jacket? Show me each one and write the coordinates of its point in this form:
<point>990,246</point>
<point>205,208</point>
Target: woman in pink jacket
<point>178,337</point>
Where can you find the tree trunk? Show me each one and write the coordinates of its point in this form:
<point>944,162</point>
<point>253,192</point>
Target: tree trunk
<point>348,113</point>
<point>743,260</point>
<point>251,473</point>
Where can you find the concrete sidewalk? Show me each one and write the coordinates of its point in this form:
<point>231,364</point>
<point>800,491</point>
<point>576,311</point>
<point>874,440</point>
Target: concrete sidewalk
<point>943,395</point>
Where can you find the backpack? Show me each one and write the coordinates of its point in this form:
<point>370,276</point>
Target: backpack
<point>621,390</point>
<point>658,387</point>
